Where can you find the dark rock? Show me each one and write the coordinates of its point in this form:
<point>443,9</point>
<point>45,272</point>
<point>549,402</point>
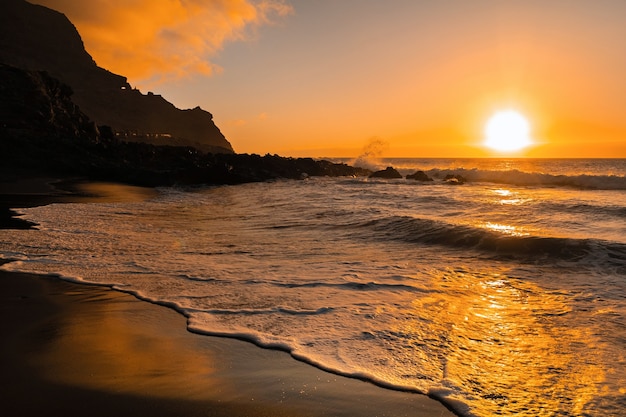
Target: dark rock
<point>455,179</point>
<point>34,37</point>
<point>388,173</point>
<point>419,176</point>
<point>43,132</point>
<point>35,106</point>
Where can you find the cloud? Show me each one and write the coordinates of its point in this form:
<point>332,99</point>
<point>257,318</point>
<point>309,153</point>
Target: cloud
<point>154,41</point>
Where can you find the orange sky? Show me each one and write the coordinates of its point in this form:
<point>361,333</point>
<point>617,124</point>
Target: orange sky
<point>324,77</point>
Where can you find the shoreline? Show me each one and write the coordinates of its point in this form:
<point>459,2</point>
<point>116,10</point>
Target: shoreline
<point>72,349</point>
<point>83,349</point>
<point>41,191</point>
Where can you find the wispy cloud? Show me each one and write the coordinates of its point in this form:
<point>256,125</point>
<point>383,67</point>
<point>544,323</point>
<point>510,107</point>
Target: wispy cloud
<point>153,41</point>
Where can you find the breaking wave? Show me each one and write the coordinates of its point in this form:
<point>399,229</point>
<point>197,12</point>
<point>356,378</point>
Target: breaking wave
<point>428,232</point>
<point>516,177</point>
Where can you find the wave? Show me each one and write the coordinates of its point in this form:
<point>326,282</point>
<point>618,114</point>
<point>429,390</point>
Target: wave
<point>255,312</point>
<point>348,285</point>
<point>585,208</point>
<point>516,177</point>
<point>532,248</point>
<point>354,286</point>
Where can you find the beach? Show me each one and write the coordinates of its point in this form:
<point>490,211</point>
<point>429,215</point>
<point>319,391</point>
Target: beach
<point>71,349</point>
<point>326,296</point>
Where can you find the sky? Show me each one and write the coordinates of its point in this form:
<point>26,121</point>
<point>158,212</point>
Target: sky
<point>332,78</point>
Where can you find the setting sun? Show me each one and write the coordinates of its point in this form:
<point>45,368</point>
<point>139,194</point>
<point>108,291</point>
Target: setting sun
<point>507,131</point>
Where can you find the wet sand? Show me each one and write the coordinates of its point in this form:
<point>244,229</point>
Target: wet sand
<point>75,350</point>
<point>71,349</point>
<point>32,192</point>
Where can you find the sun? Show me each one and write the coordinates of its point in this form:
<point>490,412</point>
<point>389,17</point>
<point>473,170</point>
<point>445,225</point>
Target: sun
<point>507,131</point>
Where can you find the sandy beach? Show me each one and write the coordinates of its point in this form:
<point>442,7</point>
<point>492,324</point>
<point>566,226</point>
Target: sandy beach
<point>70,349</point>
<point>74,350</point>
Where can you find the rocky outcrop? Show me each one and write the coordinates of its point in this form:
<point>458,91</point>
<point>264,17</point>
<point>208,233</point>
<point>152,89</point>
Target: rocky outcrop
<point>388,173</point>
<point>419,176</point>
<point>42,132</point>
<point>455,179</point>
<point>34,105</point>
<point>115,133</point>
<point>36,38</point>
<point>41,129</point>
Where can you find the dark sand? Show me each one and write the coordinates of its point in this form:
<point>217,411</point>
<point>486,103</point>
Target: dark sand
<point>31,192</point>
<point>78,350</point>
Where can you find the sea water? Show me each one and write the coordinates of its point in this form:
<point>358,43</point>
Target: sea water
<point>505,295</point>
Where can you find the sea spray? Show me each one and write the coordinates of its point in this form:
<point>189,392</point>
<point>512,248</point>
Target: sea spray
<point>370,156</point>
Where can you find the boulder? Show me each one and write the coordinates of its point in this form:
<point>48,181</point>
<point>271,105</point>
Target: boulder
<point>389,173</point>
<point>419,176</point>
<point>455,179</point>
<point>36,38</point>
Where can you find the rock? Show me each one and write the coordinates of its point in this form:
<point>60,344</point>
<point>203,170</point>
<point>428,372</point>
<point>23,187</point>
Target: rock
<point>419,176</point>
<point>389,173</point>
<point>455,179</point>
<point>34,37</point>
<point>42,132</point>
<point>35,105</point>
<point>46,78</point>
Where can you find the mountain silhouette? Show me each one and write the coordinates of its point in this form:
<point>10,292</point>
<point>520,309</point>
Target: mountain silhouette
<point>34,37</point>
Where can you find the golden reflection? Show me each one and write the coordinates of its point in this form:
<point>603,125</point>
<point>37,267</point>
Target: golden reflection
<point>107,192</point>
<point>502,192</point>
<point>115,346</point>
<point>508,197</point>
<point>505,342</point>
<point>506,229</point>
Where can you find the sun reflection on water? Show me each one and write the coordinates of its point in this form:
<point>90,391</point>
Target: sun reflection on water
<point>506,345</point>
<point>509,197</point>
<point>506,229</point>
<point>502,192</point>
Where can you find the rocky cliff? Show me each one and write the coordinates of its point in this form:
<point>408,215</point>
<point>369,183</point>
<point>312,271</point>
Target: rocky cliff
<point>42,132</point>
<point>36,38</point>
<point>140,139</point>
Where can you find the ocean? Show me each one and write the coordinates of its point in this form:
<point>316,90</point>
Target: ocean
<point>505,295</point>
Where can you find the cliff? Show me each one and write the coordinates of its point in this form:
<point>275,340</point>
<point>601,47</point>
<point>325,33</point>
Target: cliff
<point>33,37</point>
<point>34,105</point>
<point>52,92</point>
<point>42,132</point>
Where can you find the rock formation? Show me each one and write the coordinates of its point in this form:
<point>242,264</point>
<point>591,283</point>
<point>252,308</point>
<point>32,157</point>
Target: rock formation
<point>141,139</point>
<point>42,132</point>
<point>455,179</point>
<point>34,105</point>
<point>389,173</point>
<point>419,176</point>
<point>36,38</point>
